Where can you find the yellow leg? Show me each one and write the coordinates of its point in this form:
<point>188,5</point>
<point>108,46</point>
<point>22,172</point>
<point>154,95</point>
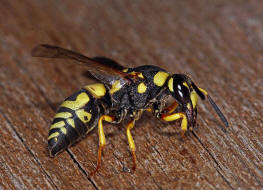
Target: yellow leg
<point>175,116</point>
<point>131,143</point>
<point>102,139</point>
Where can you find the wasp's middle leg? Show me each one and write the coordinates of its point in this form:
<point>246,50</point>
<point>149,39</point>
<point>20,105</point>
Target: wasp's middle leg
<point>129,126</point>
<point>131,142</point>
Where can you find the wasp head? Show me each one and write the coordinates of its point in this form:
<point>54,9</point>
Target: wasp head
<point>180,87</point>
<point>186,94</point>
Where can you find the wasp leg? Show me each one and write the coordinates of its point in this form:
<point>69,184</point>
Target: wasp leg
<point>131,143</point>
<point>172,117</point>
<point>171,108</point>
<point>168,109</point>
<point>129,126</point>
<point>102,139</point>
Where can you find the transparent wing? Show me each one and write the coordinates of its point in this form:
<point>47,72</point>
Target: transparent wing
<point>103,69</point>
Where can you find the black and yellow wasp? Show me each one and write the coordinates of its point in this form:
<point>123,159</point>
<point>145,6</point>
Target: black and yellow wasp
<point>121,92</point>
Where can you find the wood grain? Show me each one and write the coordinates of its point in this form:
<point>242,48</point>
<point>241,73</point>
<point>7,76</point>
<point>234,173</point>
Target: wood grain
<point>219,44</point>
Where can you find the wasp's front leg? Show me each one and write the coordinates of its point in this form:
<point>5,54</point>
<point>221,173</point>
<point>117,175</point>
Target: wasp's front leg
<point>158,108</point>
<point>175,116</point>
<point>171,108</point>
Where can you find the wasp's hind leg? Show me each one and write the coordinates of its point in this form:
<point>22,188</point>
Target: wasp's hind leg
<point>102,139</point>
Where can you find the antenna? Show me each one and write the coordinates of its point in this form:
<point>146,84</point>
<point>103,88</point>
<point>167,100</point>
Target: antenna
<point>202,93</point>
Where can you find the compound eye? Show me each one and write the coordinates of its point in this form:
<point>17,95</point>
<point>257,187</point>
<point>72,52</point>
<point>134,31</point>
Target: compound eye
<point>181,92</point>
<point>179,88</point>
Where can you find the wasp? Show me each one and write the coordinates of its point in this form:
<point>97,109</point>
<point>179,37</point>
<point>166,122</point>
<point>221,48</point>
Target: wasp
<point>121,93</point>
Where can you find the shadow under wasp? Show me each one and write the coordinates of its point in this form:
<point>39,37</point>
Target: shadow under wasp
<point>122,92</point>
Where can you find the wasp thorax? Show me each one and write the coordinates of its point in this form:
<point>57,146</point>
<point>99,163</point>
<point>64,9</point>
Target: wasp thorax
<point>179,88</point>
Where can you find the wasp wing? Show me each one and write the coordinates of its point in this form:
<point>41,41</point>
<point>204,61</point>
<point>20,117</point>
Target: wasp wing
<point>103,69</point>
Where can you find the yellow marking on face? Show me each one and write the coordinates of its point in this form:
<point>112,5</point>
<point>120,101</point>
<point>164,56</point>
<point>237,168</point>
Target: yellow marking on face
<point>204,92</point>
<point>63,115</point>
<point>97,90</point>
<point>83,115</point>
<point>63,130</point>
<point>170,84</point>
<point>57,125</point>
<point>116,86</point>
<point>53,135</point>
<point>71,122</point>
<point>142,88</point>
<point>194,98</point>
<point>185,84</point>
<point>125,70</point>
<point>81,100</point>
<point>184,123</point>
<point>160,78</point>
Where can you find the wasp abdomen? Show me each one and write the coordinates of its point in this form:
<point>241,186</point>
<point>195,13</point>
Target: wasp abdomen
<point>76,116</point>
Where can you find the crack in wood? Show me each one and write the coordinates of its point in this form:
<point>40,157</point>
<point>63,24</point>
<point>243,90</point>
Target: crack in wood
<point>9,173</point>
<point>54,109</point>
<point>214,159</point>
<point>159,155</point>
<point>138,161</point>
<point>28,149</point>
<point>83,171</point>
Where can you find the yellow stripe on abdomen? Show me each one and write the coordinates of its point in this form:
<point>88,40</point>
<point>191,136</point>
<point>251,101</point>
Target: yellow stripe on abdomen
<point>81,100</point>
<point>64,115</point>
<point>57,125</point>
<point>97,90</point>
<point>53,135</point>
<point>83,115</point>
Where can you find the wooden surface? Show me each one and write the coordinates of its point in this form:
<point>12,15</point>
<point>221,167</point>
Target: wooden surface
<point>219,44</point>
